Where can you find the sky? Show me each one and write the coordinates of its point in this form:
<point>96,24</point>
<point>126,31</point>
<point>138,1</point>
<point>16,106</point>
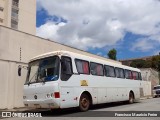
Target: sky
<point>132,27</point>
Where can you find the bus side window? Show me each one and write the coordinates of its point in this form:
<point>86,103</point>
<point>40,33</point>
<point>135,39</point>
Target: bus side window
<point>128,74</point>
<point>109,71</point>
<point>66,68</point>
<point>119,72</point>
<point>135,75</point>
<point>140,76</point>
<point>82,66</point>
<point>96,69</point>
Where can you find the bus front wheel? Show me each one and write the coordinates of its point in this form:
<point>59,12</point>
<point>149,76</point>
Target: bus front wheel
<point>84,103</point>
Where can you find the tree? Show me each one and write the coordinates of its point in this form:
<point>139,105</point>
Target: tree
<point>156,64</point>
<point>112,54</point>
<point>148,64</point>
<point>138,63</point>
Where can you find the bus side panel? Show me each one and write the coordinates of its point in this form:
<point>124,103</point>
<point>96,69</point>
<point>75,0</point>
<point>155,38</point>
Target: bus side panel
<point>136,93</point>
<point>68,97</point>
<point>92,91</point>
<point>102,95</point>
<point>122,94</point>
<point>94,94</point>
<point>111,94</point>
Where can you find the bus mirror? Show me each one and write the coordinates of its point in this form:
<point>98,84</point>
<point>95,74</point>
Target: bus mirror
<point>19,70</point>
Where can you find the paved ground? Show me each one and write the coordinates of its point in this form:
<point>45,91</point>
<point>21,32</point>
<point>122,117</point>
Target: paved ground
<point>101,112</point>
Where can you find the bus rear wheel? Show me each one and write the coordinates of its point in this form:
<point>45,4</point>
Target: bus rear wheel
<point>84,103</point>
<point>131,98</point>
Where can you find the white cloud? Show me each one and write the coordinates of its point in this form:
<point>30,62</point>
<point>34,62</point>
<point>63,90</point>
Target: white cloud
<point>49,30</point>
<point>143,44</point>
<point>97,23</point>
<point>157,52</point>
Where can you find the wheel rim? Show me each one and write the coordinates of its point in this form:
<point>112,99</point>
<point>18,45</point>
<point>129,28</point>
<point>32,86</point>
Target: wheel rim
<point>84,102</point>
<point>131,98</point>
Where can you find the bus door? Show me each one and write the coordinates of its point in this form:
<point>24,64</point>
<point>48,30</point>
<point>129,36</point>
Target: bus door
<point>68,98</point>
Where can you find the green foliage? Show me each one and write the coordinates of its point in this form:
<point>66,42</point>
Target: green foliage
<point>112,54</point>
<point>147,64</point>
<point>138,63</point>
<point>154,62</point>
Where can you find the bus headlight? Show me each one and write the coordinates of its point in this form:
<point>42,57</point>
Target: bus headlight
<point>52,95</point>
<point>48,95</point>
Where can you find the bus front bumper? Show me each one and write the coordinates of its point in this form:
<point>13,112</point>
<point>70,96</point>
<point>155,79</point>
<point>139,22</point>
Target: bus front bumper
<point>47,103</point>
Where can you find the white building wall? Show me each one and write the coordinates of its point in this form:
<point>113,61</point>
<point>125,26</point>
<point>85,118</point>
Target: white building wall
<point>150,75</point>
<point>4,68</point>
<point>11,41</point>
<point>146,85</point>
<point>26,15</point>
<point>146,73</point>
<point>11,86</point>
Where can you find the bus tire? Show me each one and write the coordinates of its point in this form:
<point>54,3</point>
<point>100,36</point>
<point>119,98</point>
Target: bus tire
<point>84,103</point>
<point>131,98</point>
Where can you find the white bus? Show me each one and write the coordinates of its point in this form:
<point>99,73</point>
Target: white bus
<point>63,79</point>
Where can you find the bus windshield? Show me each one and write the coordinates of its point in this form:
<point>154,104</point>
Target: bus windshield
<point>43,70</point>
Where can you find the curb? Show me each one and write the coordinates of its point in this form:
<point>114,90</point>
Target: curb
<point>17,109</point>
<point>150,97</point>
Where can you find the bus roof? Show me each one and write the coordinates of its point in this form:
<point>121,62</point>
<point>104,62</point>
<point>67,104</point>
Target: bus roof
<point>83,57</point>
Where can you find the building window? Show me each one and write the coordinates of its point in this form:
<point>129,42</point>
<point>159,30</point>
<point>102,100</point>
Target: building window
<point>14,24</point>
<point>15,3</point>
<point>1,9</point>
<point>15,14</point>
<point>1,20</point>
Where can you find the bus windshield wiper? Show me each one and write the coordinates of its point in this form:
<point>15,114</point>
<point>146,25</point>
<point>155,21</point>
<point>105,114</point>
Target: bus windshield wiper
<point>41,80</point>
<point>29,83</point>
<point>44,81</point>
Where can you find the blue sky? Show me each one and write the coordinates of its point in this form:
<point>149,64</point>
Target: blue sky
<point>131,27</point>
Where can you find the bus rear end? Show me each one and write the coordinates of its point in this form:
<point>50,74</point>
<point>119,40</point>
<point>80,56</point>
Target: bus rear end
<point>41,89</point>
